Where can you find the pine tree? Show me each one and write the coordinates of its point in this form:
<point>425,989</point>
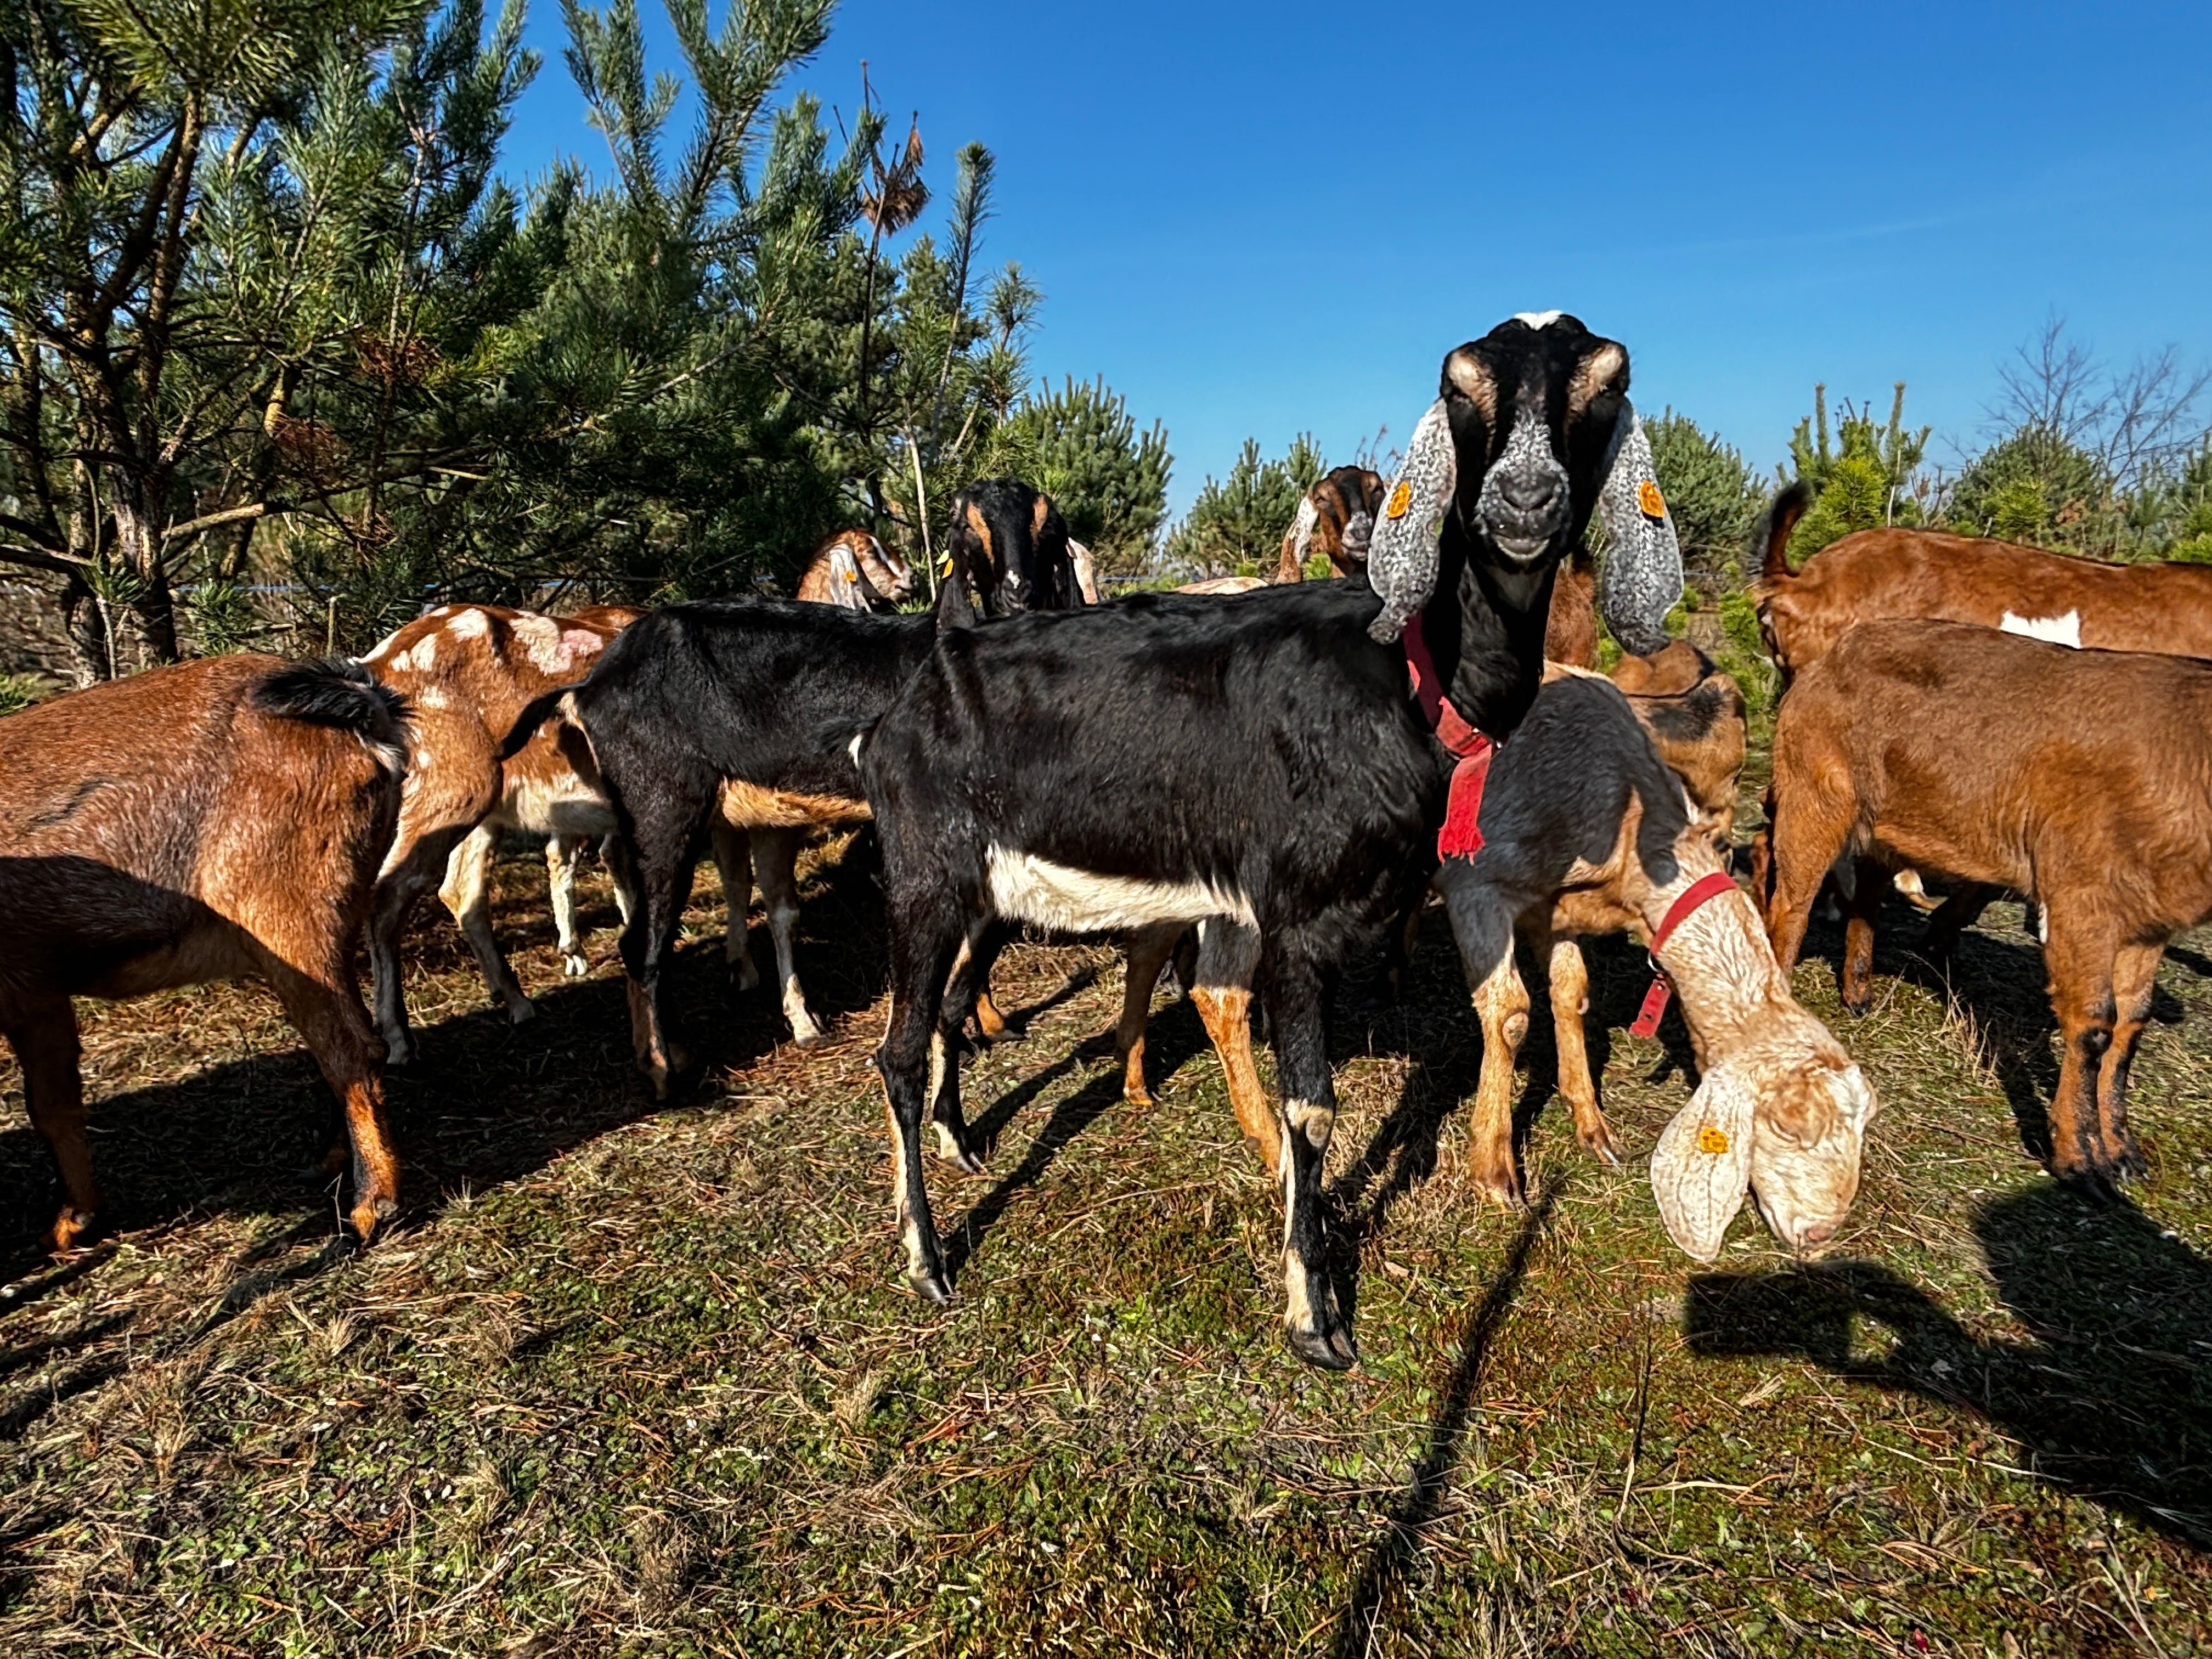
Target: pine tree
<point>1081,446</point>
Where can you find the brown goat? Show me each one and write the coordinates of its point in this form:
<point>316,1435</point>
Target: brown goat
<point>854,570</point>
<point>1897,574</point>
<point>214,820</point>
<point>2080,778</point>
<point>1334,520</point>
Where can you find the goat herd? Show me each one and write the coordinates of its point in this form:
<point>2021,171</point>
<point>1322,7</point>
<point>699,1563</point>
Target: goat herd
<point>1279,774</point>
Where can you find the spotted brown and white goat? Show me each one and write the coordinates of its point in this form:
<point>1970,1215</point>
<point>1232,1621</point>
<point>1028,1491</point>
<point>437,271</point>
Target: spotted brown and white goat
<point>467,671</point>
<point>220,819</point>
<point>854,570</point>
<point>1175,758</point>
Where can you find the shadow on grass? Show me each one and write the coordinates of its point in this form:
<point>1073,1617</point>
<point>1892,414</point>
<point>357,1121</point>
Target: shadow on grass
<point>2111,1398</point>
<point>1394,1555</point>
<point>1172,1038</point>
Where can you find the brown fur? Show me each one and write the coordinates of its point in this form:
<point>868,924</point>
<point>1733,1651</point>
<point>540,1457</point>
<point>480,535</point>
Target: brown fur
<point>1878,574</point>
<point>166,830</point>
<point>883,579</point>
<point>2080,778</point>
<point>1337,498</point>
<point>1570,626</point>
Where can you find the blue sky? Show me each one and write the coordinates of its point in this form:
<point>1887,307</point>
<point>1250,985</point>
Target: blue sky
<point>1263,219</point>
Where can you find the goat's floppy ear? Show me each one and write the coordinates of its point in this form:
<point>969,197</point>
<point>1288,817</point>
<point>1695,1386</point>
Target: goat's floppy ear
<point>1701,1168</point>
<point>1402,557</point>
<point>1641,579</point>
<point>1302,529</point>
<point>954,608</point>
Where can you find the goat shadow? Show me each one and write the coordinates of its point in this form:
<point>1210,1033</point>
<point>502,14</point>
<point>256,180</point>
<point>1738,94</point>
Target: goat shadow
<point>2111,1398</point>
<point>2000,984</point>
<point>486,1103</point>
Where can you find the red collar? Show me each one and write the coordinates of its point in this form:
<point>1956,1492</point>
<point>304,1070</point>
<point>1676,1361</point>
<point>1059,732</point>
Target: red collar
<point>1462,834</point>
<point>1654,1000</point>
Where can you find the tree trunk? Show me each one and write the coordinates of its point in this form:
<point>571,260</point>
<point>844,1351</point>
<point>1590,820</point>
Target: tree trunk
<point>138,546</point>
<point>88,632</point>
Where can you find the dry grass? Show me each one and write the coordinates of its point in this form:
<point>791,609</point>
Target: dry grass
<point>631,1378</point>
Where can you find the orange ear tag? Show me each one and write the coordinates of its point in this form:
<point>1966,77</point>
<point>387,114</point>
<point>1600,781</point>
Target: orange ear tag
<point>1649,502</point>
<point>1713,1140</point>
<point>1401,499</point>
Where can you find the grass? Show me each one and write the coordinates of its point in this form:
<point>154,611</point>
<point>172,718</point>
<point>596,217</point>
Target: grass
<point>630,1378</point>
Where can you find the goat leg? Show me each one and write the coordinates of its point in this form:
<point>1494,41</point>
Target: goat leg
<point>466,894</point>
<point>1312,1321</point>
<point>1221,990</point>
<point>2081,998</point>
<point>924,944</point>
<point>1569,997</point>
<point>45,1039</point>
<point>2135,983</point>
<point>1149,951</point>
<point>733,863</point>
<point>1864,910</point>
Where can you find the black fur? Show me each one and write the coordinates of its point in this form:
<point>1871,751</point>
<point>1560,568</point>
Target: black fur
<point>1016,568</point>
<point>1263,744</point>
<point>1557,794</point>
<point>334,691</point>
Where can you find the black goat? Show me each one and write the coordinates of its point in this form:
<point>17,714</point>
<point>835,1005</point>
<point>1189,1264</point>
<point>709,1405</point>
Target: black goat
<point>1009,543</point>
<point>1180,757</point>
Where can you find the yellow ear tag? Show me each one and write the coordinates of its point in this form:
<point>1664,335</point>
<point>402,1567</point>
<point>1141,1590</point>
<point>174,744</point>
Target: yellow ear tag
<point>944,566</point>
<point>1401,499</point>
<point>1713,1140</point>
<point>1649,502</point>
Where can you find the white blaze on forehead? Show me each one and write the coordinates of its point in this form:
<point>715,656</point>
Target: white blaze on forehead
<point>1538,319</point>
<point>1026,888</point>
<point>471,624</point>
<point>2058,630</point>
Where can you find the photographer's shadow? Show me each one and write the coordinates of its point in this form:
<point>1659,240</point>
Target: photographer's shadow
<point>2112,1395</point>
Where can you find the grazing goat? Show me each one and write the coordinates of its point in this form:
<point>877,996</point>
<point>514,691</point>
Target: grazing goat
<point>2080,778</point>
<point>854,570</point>
<point>214,820</point>
<point>1335,519</point>
<point>1895,573</point>
<point>1584,831</point>
<point>1175,758</point>
<point>466,671</point>
<point>1009,543</point>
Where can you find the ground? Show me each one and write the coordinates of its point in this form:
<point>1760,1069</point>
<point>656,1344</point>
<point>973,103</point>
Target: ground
<point>629,1378</point>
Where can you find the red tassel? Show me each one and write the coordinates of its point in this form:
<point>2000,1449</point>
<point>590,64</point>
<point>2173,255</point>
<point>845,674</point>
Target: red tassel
<point>1462,836</point>
<point>1654,1005</point>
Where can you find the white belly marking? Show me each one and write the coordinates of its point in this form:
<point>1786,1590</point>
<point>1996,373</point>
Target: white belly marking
<point>1026,888</point>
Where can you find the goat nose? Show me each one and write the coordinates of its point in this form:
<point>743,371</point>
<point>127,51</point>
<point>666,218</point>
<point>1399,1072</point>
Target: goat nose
<point>1528,492</point>
<point>1819,1233</point>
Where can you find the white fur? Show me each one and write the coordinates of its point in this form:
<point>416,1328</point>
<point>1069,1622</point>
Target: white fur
<point>1026,888</point>
<point>853,747</point>
<point>2058,630</point>
<point>471,624</point>
<point>1538,319</point>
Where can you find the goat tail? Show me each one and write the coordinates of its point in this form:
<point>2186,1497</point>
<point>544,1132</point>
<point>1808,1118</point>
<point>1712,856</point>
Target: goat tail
<point>535,712</point>
<point>1781,518</point>
<point>341,694</point>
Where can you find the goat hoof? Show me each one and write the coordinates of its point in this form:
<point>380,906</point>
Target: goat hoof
<point>951,1150</point>
<point>810,1037</point>
<point>1599,1144</point>
<point>1138,1097</point>
<point>1330,1350</point>
<point>573,965</point>
<point>931,1286</point>
<point>522,1012</point>
<point>748,977</point>
<point>1857,1007</point>
<point>2092,1183</point>
<point>71,1228</point>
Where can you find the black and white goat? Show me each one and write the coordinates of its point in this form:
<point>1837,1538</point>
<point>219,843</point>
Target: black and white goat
<point>1177,758</point>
